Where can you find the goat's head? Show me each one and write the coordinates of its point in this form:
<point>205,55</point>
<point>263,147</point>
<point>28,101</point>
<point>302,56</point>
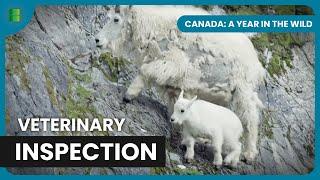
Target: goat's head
<point>181,109</point>
<point>112,29</point>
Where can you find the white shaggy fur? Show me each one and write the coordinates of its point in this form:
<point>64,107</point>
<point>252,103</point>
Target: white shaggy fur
<point>201,119</point>
<point>222,68</point>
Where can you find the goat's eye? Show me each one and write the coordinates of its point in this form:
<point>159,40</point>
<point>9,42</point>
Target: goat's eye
<point>182,110</point>
<point>116,20</point>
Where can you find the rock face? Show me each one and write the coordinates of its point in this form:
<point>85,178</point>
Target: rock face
<point>53,69</point>
<point>287,127</point>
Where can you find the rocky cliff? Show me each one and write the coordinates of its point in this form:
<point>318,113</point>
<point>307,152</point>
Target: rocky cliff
<point>53,69</point>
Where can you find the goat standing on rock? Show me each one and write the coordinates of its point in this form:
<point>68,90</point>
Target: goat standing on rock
<point>201,119</point>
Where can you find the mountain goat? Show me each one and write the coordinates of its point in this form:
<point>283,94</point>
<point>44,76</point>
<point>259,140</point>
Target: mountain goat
<point>201,119</point>
<point>222,68</point>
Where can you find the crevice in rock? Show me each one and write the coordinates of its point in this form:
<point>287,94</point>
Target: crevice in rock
<point>39,23</point>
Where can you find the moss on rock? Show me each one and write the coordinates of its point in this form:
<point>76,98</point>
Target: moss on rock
<point>79,99</point>
<point>115,65</point>
<point>49,86</point>
<point>78,104</point>
<point>280,45</point>
<point>80,77</point>
<point>8,119</point>
<point>267,125</point>
<point>17,61</point>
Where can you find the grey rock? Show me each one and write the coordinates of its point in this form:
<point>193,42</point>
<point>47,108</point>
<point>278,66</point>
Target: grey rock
<point>174,158</point>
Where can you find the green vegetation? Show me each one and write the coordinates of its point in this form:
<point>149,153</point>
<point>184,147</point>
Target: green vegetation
<point>7,116</point>
<point>49,86</point>
<point>78,103</point>
<point>83,93</point>
<point>79,98</point>
<point>115,64</point>
<point>80,106</point>
<point>285,10</point>
<point>17,61</point>
<point>267,125</point>
<point>176,171</point>
<point>276,66</point>
<point>80,77</point>
<point>280,45</point>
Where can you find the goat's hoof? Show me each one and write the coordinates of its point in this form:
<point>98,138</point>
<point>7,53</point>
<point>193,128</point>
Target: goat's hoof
<point>249,156</point>
<point>188,160</point>
<point>231,165</point>
<point>127,98</point>
<point>217,164</point>
<point>227,161</point>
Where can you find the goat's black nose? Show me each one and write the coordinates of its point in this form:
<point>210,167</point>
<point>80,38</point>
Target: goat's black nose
<point>97,40</point>
<point>171,119</point>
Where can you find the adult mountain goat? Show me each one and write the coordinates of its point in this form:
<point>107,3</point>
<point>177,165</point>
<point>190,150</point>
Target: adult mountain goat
<point>222,68</point>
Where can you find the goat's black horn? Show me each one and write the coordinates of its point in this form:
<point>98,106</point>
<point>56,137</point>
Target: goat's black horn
<point>117,9</point>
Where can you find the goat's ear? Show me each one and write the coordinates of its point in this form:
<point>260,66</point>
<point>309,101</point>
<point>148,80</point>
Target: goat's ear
<point>181,94</point>
<point>192,101</point>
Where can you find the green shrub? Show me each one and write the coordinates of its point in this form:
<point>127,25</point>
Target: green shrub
<point>280,45</point>
<point>115,65</point>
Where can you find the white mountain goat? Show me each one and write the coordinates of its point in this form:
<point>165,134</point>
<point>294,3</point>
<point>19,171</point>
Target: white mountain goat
<point>201,119</point>
<point>222,68</point>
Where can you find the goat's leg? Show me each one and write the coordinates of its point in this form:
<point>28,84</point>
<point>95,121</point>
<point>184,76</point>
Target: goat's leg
<point>246,105</point>
<point>217,141</point>
<point>189,156</point>
<point>251,118</point>
<point>250,150</point>
<point>233,157</point>
<point>189,141</point>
